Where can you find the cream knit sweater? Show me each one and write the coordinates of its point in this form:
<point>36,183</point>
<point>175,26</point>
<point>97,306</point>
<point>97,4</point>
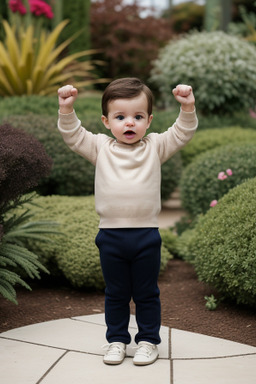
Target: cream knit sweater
<point>127,176</point>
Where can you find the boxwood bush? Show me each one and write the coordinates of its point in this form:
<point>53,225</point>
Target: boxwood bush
<point>223,245</point>
<point>215,137</point>
<point>200,183</point>
<point>220,68</point>
<point>89,105</point>
<point>71,174</point>
<point>75,254</point>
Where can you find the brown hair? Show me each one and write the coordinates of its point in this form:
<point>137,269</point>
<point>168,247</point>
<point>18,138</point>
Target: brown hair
<point>125,88</point>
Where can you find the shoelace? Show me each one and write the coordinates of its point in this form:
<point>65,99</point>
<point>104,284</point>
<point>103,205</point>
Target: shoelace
<point>144,350</point>
<point>113,348</point>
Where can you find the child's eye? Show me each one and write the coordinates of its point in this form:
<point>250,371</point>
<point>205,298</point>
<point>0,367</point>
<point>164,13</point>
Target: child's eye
<point>138,117</point>
<point>120,117</point>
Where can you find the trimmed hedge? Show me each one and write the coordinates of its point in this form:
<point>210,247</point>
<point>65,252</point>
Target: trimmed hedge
<point>48,105</point>
<point>200,184</point>
<point>71,174</point>
<point>169,240</point>
<point>215,137</point>
<point>75,254</point>
<point>223,245</point>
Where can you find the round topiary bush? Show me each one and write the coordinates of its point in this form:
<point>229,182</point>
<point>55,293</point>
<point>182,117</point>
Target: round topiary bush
<point>224,245</point>
<point>23,164</point>
<point>215,137</point>
<point>201,183</point>
<point>74,254</point>
<point>220,68</point>
<point>71,174</point>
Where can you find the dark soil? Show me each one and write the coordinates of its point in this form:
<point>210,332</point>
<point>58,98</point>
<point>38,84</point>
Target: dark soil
<point>182,297</point>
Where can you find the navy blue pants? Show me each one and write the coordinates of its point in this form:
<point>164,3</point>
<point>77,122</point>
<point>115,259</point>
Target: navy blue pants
<point>130,261</point>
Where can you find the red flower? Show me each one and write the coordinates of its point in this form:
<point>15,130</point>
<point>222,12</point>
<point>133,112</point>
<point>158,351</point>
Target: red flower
<point>39,8</point>
<point>17,6</point>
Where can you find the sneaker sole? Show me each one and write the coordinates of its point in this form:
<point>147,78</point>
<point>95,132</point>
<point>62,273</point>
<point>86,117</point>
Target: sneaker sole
<point>113,362</point>
<point>141,363</point>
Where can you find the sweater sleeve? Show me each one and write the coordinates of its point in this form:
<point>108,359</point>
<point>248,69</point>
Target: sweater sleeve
<point>79,140</point>
<point>177,136</point>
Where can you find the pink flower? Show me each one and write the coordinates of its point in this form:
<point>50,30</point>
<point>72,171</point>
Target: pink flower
<point>252,113</point>
<point>222,176</point>
<point>40,8</point>
<point>229,172</point>
<point>17,6</point>
<point>213,203</point>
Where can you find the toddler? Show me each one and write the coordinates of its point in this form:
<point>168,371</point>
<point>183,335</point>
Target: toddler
<point>128,201</point>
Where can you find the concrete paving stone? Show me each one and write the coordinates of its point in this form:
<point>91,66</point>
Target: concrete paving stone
<point>80,368</point>
<point>191,345</point>
<point>66,334</point>
<point>78,334</point>
<point>23,363</point>
<point>232,370</point>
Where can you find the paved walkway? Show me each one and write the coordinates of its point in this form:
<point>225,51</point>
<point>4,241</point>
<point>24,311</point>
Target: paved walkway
<point>68,351</point>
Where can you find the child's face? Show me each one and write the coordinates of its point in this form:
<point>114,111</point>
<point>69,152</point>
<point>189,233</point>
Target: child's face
<point>128,119</point>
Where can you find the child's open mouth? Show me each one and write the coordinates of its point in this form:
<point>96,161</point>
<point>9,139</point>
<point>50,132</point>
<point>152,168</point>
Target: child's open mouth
<point>129,134</point>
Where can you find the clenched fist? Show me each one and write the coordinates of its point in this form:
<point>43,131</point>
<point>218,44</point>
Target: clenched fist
<point>184,95</point>
<point>67,96</point>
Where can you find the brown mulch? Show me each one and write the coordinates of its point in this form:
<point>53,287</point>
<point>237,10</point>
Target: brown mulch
<point>182,297</point>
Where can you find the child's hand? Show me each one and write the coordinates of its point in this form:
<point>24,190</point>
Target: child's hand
<point>184,95</point>
<point>67,96</point>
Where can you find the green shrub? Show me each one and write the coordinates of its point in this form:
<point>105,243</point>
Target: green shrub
<point>220,68</point>
<point>75,255</point>
<point>71,174</point>
<point>183,245</point>
<point>78,12</point>
<point>212,138</point>
<point>224,245</point>
<point>200,183</point>
<point>88,106</point>
<point>169,240</point>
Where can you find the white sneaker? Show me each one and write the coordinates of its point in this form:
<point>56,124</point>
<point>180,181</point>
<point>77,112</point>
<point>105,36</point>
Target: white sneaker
<point>115,353</point>
<point>146,353</point>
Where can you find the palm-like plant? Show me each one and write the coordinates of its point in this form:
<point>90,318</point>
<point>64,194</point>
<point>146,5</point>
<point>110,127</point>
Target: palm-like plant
<point>15,258</point>
<point>30,65</point>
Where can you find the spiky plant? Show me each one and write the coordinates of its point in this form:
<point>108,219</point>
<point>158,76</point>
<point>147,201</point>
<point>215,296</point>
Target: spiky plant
<point>16,260</point>
<point>30,65</point>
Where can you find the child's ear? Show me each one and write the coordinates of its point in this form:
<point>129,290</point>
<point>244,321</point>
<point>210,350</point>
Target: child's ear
<point>104,120</point>
<point>149,120</point>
